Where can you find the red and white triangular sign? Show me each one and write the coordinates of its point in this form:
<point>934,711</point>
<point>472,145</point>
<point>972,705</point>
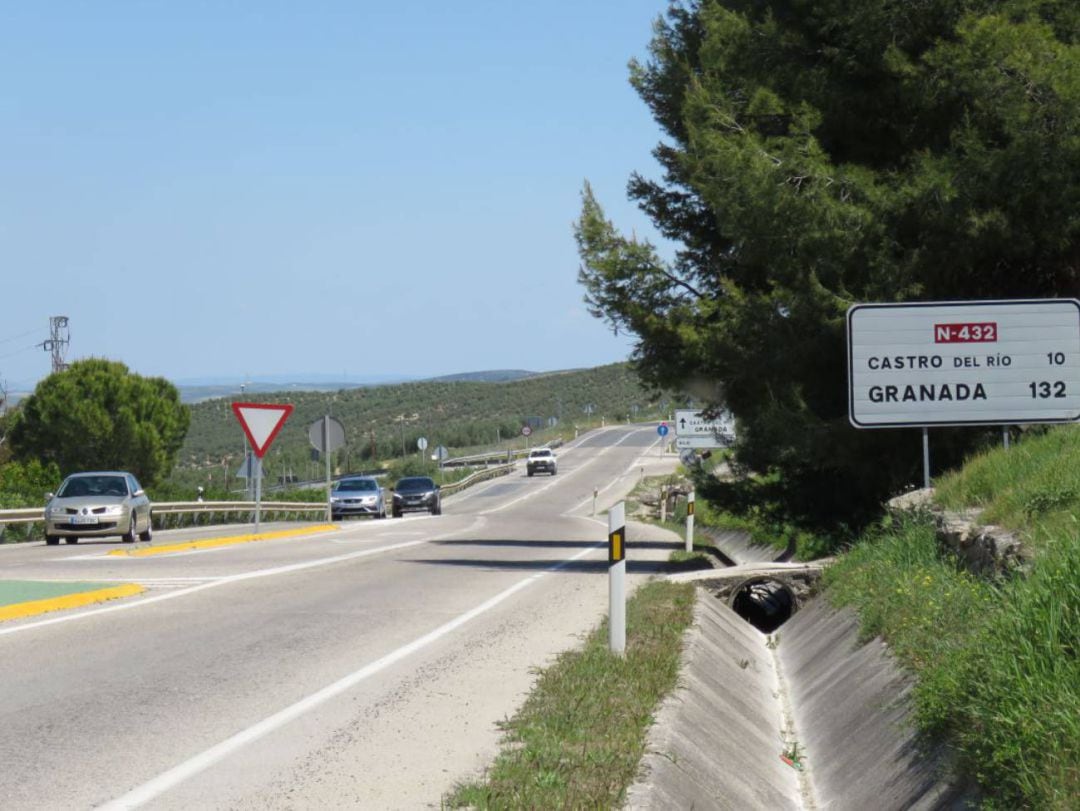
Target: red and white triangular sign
<point>261,422</point>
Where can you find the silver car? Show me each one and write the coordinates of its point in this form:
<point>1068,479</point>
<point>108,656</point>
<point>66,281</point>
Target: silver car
<point>357,495</point>
<point>96,505</point>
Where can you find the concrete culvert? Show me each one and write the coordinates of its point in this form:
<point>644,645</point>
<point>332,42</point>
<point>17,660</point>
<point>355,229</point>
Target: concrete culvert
<point>764,602</point>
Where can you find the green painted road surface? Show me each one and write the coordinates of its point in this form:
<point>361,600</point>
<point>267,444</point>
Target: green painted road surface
<point>27,598</point>
<point>25,591</point>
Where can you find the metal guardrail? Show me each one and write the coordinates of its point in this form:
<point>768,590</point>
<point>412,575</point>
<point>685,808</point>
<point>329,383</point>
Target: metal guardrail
<point>162,510</point>
<point>508,454</point>
<point>479,476</point>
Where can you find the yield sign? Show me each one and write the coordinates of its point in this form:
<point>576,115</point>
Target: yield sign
<point>261,422</point>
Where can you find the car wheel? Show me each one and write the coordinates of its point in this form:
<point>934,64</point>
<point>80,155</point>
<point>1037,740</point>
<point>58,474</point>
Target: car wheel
<point>148,535</point>
<point>129,536</point>
<point>553,471</point>
<point>335,517</point>
<point>71,539</point>
<point>52,540</point>
<point>529,472</point>
<point>397,513</point>
<point>381,513</point>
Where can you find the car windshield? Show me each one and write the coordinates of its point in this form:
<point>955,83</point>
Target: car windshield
<point>358,484</point>
<point>415,484</point>
<point>93,486</point>
<point>541,453</point>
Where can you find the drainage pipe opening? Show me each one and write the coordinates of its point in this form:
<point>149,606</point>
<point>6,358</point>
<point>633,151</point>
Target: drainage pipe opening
<point>764,602</point>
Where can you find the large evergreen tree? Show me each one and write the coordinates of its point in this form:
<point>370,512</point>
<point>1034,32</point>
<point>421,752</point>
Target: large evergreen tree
<point>821,153</point>
<point>97,415</point>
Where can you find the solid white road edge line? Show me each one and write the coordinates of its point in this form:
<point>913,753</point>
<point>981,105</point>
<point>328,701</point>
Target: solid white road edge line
<point>235,578</point>
<point>164,782</point>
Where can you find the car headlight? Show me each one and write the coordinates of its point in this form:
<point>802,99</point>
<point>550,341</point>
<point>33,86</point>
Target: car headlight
<point>114,509</point>
<point>334,499</point>
<point>56,512</point>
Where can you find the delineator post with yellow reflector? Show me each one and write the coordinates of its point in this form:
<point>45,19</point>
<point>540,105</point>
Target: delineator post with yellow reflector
<point>617,578</point>
<point>690,522</point>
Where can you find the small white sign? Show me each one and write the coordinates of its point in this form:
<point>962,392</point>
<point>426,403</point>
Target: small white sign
<point>964,363</point>
<point>701,442</point>
<point>692,430</point>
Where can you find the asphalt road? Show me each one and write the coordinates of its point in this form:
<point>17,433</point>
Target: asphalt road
<point>366,667</point>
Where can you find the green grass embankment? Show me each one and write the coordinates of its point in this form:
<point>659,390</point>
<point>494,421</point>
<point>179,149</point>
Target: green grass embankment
<point>996,661</point>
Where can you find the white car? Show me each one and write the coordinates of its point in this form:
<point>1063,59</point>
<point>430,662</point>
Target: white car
<point>541,460</point>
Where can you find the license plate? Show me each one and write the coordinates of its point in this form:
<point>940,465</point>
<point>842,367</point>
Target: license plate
<point>84,519</point>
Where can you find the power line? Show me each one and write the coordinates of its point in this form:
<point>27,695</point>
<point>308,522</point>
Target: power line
<point>16,337</point>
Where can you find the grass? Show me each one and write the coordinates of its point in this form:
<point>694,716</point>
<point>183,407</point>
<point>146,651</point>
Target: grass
<point>1033,488</point>
<point>997,669</point>
<point>577,740</point>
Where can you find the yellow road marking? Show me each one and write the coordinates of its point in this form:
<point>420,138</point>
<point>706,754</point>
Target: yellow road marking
<point>29,609</point>
<point>210,543</point>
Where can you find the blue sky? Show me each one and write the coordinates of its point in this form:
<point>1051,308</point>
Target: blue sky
<point>354,189</point>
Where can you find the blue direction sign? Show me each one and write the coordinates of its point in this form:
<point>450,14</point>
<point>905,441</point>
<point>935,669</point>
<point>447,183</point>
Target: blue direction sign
<point>662,429</point>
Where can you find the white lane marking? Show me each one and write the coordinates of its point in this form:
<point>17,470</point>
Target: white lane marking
<point>555,479</point>
<point>167,780</point>
<point>612,483</point>
<point>235,578</point>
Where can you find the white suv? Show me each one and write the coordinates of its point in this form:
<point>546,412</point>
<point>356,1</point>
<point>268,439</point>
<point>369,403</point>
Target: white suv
<point>541,460</point>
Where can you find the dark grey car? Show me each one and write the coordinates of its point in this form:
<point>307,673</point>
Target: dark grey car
<point>416,493</point>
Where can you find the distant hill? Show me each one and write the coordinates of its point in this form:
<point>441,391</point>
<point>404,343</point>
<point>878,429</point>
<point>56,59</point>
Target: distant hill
<point>493,376</point>
<point>195,390</point>
<point>383,422</point>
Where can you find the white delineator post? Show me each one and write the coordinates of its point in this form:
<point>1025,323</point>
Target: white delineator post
<point>617,579</point>
<point>690,522</point>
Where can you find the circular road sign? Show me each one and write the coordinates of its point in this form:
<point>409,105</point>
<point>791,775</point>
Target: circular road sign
<point>441,453</point>
<point>662,429</point>
<point>525,430</point>
<point>336,432</point>
<point>421,443</point>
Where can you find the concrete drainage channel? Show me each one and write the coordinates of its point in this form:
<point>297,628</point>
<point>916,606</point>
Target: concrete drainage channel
<point>796,715</point>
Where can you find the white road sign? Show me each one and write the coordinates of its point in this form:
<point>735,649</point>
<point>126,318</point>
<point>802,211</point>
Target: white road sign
<point>702,442</point>
<point>964,363</point>
<point>692,430</point>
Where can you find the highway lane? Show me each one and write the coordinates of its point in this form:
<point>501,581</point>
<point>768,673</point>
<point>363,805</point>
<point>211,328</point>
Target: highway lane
<point>366,667</point>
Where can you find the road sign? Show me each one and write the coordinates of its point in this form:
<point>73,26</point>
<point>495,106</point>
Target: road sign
<point>662,429</point>
<point>526,430</point>
<point>248,469</point>
<point>421,443</point>
<point>552,422</point>
<point>704,442</point>
<point>964,363</point>
<point>688,457</point>
<point>335,429</point>
<point>692,430</point>
<point>441,453</point>
<point>261,422</point>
